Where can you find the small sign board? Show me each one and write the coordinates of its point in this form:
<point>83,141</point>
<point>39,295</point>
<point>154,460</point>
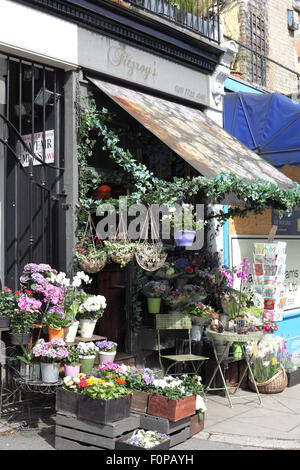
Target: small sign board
<point>40,140</point>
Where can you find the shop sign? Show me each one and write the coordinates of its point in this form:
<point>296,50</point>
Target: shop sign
<point>40,139</point>
<point>287,225</point>
<point>243,247</point>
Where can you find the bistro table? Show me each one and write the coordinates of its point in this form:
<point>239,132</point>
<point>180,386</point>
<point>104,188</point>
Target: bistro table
<point>226,339</point>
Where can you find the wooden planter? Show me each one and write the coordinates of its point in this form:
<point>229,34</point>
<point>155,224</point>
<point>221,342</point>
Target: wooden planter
<point>139,401</point>
<point>67,401</point>
<point>122,445</point>
<point>174,410</point>
<point>196,425</point>
<point>104,411</point>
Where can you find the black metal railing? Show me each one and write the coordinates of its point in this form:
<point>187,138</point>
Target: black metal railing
<point>201,16</point>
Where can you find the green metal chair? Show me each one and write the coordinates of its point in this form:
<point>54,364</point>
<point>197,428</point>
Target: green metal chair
<point>175,321</point>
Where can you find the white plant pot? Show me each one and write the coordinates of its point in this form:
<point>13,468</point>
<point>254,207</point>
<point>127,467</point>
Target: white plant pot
<point>196,333</point>
<point>106,356</point>
<point>50,372</point>
<point>87,327</point>
<point>71,332</point>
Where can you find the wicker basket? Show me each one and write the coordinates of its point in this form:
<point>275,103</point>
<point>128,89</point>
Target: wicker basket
<point>116,258</point>
<point>92,264</point>
<point>274,385</point>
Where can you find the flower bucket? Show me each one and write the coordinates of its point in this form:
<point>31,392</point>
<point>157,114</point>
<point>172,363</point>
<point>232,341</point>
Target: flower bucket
<point>86,364</point>
<point>70,371</point>
<point>107,356</point>
<point>30,372</point>
<point>184,238</point>
<point>23,337</point>
<point>50,372</point>
<point>237,351</point>
<point>55,333</point>
<point>4,322</point>
<point>153,304</point>
<point>71,332</point>
<point>87,327</point>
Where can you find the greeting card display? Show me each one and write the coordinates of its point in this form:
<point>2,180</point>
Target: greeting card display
<point>269,275</point>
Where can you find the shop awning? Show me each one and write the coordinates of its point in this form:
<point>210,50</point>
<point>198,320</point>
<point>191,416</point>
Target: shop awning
<point>191,134</point>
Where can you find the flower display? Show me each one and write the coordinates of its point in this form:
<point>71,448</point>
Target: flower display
<point>25,314</point>
<point>176,388</point>
<point>139,379</point>
<point>121,248</point>
<point>110,368</point>
<point>51,351</point>
<point>265,356</point>
<point>72,358</point>
<point>107,346</point>
<point>94,387</point>
<point>199,310</point>
<point>155,289</point>
<point>146,439</point>
<point>87,350</point>
<point>56,319</point>
<point>176,298</point>
<point>92,307</point>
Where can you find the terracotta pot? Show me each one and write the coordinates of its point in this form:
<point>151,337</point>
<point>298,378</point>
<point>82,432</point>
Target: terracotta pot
<point>55,333</point>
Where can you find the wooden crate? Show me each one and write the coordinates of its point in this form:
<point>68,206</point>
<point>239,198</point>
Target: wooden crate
<point>72,433</point>
<point>139,401</point>
<point>196,425</point>
<point>178,431</point>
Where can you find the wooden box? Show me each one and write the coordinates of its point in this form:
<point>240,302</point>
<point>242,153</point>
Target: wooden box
<point>72,433</point>
<point>178,431</point>
<point>174,410</point>
<point>104,411</point>
<point>67,401</point>
<point>196,425</point>
<point>122,445</point>
<point>139,401</point>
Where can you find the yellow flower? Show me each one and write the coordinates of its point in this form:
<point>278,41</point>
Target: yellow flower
<point>273,361</point>
<point>91,381</point>
<point>100,381</point>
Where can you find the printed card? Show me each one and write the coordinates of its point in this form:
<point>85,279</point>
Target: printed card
<point>270,270</point>
<point>269,304</point>
<point>259,269</point>
<point>259,248</point>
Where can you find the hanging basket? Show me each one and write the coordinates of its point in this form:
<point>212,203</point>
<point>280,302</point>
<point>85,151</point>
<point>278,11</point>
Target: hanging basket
<point>150,257</point>
<point>274,385</point>
<point>92,264</point>
<point>122,259</point>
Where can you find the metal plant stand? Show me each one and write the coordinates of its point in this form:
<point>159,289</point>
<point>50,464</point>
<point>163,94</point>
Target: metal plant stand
<point>226,339</point>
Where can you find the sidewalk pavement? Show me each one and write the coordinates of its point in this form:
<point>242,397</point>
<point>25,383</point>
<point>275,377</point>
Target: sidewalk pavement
<point>247,425</point>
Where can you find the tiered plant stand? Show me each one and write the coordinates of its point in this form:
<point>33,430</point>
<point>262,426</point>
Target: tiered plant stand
<point>227,338</point>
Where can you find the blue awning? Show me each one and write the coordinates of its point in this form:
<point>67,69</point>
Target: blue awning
<point>268,124</point>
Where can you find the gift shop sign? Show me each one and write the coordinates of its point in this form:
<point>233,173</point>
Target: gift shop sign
<point>37,144</point>
<point>243,247</point>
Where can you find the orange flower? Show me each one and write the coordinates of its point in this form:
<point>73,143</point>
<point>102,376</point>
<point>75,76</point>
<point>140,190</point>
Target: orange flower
<point>121,381</point>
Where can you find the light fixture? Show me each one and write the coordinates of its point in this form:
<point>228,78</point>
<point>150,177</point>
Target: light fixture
<point>44,97</point>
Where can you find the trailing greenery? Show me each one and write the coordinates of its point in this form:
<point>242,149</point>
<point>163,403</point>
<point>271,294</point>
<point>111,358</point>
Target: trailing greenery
<point>148,189</point>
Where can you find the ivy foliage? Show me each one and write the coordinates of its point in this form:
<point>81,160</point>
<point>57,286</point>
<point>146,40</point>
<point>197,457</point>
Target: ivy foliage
<point>148,189</point>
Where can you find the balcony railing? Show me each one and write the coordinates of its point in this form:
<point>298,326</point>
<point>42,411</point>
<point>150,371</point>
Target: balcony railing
<point>201,16</point>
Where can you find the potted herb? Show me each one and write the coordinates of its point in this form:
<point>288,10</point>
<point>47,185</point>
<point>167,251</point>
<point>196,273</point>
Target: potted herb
<point>8,303</point>
<point>107,350</point>
<point>143,440</point>
<point>120,250</point>
<point>154,291</point>
<point>51,353</point>
<point>91,309</point>
<point>87,354</point>
<point>74,297</point>
<point>72,362</point>
<point>24,317</point>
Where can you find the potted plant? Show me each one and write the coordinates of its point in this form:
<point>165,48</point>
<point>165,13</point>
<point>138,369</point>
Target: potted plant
<point>107,350</point>
<point>91,254</point>
<point>200,315</point>
<point>87,354</point>
<point>72,362</point>
<point>91,309</point>
<point>8,303</point>
<point>174,398</point>
<point>292,369</point>
<point>139,381</point>
<point>185,224</point>
<point>51,353</point>
<point>175,300</point>
<point>154,291</point>
<point>56,321</point>
<point>196,293</point>
<point>120,250</point>
<point>141,439</point>
<point>74,297</point>
<point>24,317</point>
<point>103,400</point>
<point>30,368</point>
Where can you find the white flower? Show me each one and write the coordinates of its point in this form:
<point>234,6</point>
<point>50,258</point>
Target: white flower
<point>79,278</point>
<point>94,303</point>
<point>200,405</point>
